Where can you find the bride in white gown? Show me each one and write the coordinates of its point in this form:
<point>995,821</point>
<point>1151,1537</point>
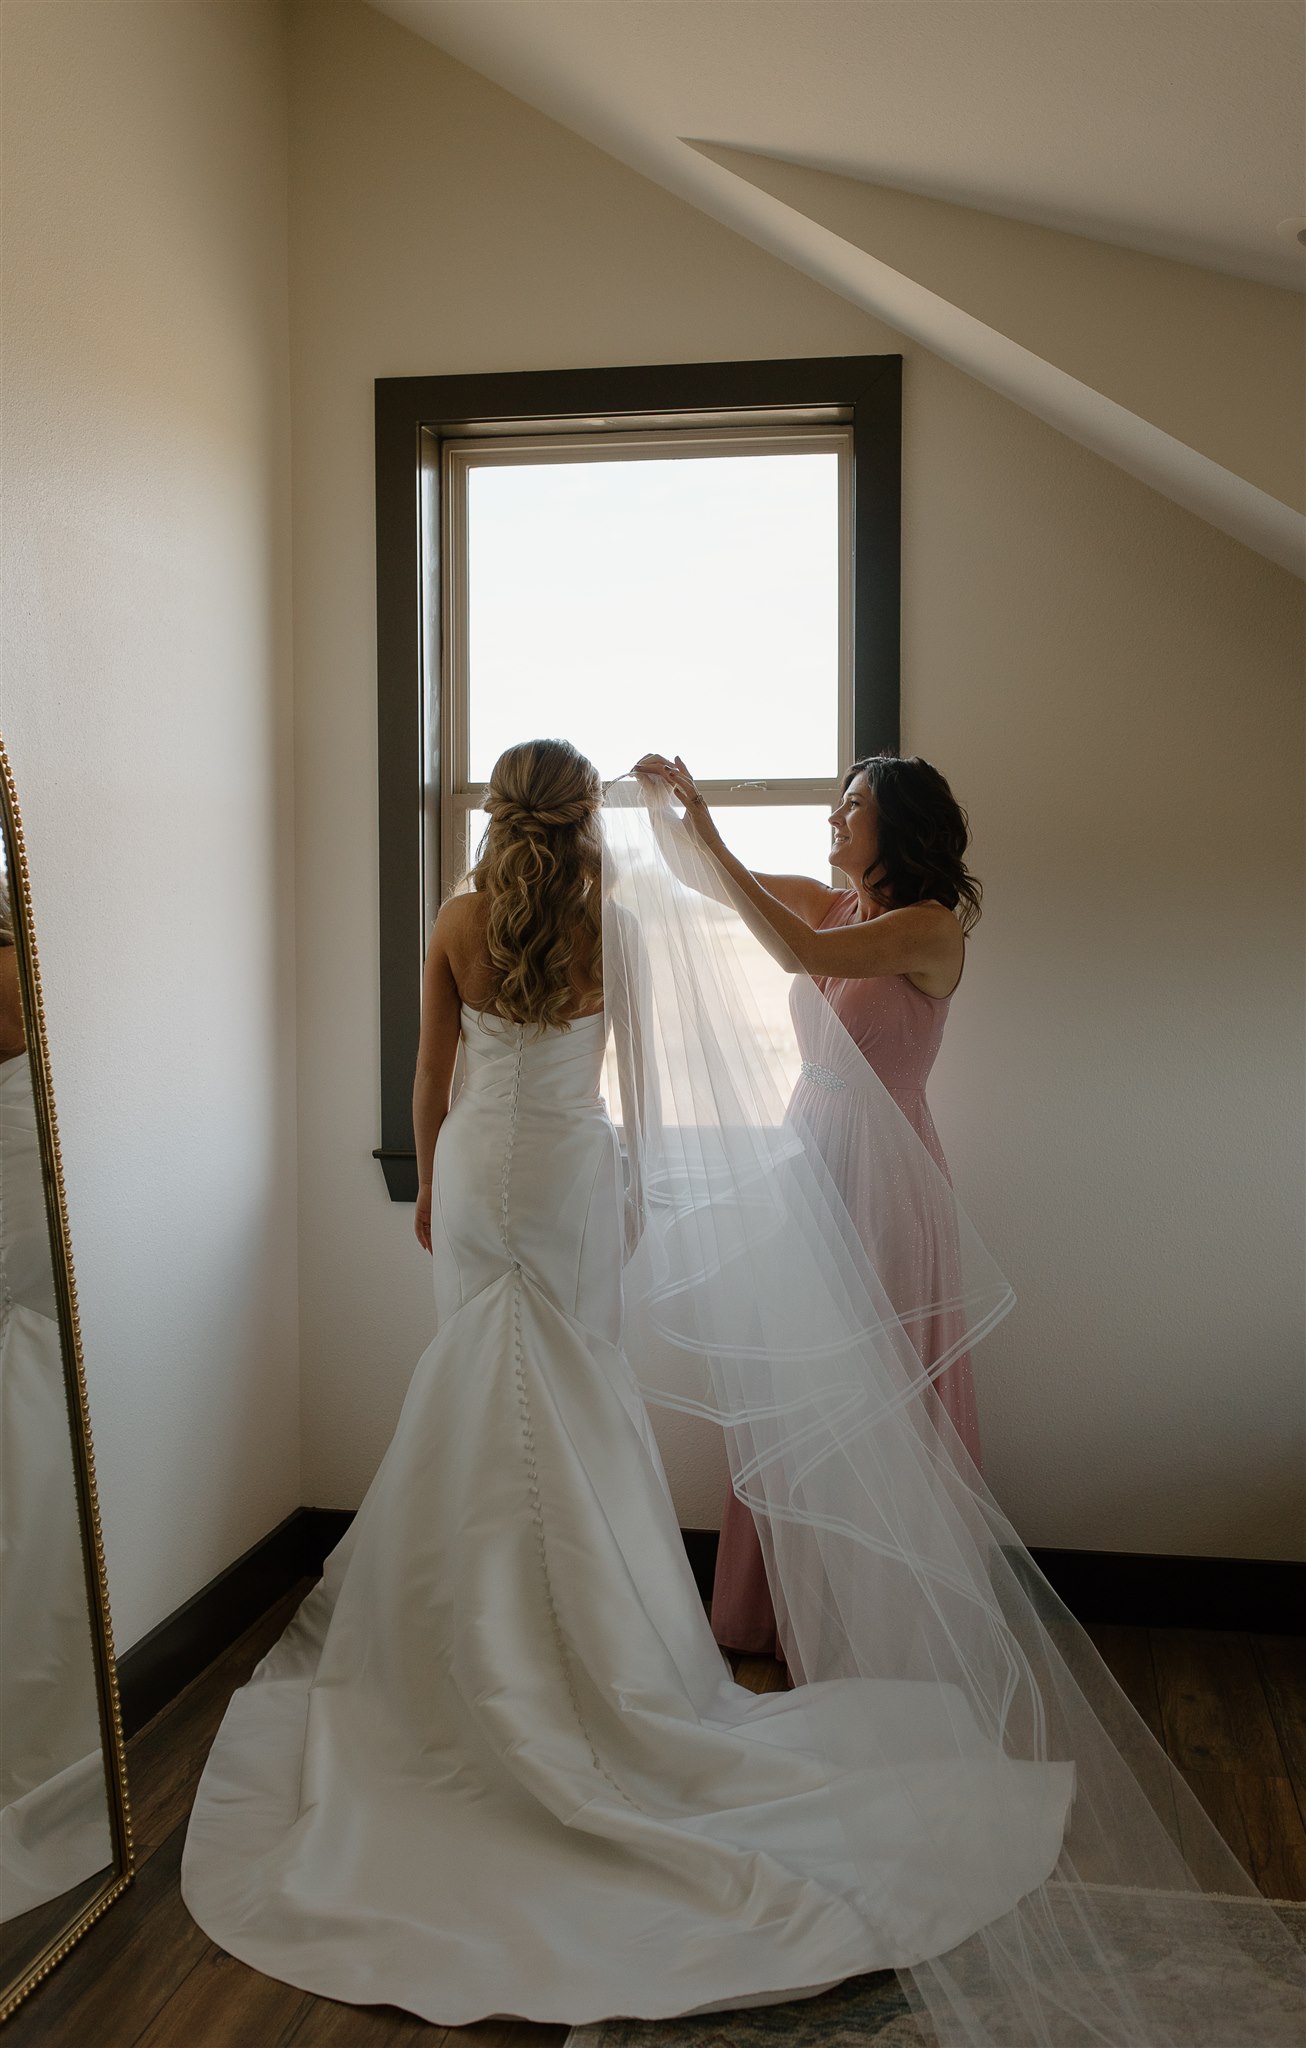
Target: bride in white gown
<point>497,1763</point>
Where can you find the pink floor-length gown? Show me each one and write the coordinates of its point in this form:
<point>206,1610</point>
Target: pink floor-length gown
<point>899,1029</point>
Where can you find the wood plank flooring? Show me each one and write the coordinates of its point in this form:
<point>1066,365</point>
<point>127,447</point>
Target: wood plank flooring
<point>1229,1709</point>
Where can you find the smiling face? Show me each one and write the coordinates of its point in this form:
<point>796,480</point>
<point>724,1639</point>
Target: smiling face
<point>854,831</point>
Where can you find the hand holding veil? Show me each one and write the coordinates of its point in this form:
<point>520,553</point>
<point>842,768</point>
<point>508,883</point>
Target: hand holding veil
<point>751,1298</point>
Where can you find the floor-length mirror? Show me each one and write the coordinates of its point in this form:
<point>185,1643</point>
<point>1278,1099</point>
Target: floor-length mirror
<point>65,1847</point>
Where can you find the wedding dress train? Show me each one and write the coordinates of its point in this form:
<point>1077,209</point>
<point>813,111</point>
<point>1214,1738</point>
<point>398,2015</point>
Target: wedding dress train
<point>497,1763</point>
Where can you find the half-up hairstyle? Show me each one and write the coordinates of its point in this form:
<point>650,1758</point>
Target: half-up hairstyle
<point>540,864</point>
<point>923,833</point>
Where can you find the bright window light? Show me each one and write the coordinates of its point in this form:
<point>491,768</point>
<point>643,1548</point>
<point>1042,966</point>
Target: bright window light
<point>679,591</point>
<point>686,605</point>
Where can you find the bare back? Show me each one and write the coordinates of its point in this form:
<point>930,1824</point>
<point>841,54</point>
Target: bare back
<point>467,919</point>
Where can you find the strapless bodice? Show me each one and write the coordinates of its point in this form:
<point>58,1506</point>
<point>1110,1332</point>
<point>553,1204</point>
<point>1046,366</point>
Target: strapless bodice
<point>552,1069</point>
<point>527,1173</point>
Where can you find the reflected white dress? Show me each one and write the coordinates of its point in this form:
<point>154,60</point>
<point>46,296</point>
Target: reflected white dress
<point>54,1814</point>
<point>497,1763</point>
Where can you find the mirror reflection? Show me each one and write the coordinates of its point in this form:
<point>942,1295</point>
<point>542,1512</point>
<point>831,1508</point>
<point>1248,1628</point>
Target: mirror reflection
<point>56,1847</point>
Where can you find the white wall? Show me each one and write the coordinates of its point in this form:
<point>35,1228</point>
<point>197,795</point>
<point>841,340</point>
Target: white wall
<point>146,701</point>
<point>1114,690</point>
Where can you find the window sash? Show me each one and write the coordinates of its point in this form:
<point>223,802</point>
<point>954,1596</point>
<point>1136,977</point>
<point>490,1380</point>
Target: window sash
<point>450,793</point>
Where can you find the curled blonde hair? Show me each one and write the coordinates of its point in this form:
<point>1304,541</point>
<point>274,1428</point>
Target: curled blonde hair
<point>540,863</point>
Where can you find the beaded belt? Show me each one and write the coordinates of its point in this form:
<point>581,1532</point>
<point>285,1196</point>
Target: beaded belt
<point>822,1076</point>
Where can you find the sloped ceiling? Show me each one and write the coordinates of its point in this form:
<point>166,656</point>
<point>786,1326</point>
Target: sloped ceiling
<point>1176,129</point>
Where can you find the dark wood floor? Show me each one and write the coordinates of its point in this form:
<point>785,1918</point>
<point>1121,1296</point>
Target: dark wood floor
<point>1229,1709</point>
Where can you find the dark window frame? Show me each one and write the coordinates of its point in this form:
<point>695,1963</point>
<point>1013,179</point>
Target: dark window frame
<point>415,416</point>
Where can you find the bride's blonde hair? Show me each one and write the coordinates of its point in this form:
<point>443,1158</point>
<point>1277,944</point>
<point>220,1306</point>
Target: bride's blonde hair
<point>540,864</point>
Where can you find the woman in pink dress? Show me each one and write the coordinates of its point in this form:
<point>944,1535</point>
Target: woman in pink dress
<point>887,952</point>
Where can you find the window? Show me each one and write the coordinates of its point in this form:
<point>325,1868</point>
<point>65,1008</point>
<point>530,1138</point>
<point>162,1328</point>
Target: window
<point>700,558</point>
<point>683,589</point>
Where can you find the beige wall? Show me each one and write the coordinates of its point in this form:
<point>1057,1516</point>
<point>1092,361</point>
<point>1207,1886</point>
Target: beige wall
<point>1114,689</point>
<point>146,700</point>
<point>1118,691</point>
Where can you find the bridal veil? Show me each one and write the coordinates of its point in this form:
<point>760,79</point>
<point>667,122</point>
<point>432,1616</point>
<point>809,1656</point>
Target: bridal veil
<point>750,1298</point>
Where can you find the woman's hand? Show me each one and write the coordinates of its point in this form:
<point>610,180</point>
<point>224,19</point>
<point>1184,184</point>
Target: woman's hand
<point>697,815</point>
<point>422,1218</point>
<point>686,791</point>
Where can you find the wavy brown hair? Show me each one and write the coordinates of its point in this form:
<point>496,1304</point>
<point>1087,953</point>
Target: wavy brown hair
<point>540,862</point>
<point>923,834</point>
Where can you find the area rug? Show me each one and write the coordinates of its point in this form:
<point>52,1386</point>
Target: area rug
<point>871,2012</point>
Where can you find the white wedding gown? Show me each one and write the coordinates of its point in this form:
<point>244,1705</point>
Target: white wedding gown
<point>497,1763</point>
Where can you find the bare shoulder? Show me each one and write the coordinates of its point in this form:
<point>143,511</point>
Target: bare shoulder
<point>458,936</point>
<point>938,915</point>
<point>934,925</point>
<point>466,905</point>
<point>462,917</point>
<point>940,948</point>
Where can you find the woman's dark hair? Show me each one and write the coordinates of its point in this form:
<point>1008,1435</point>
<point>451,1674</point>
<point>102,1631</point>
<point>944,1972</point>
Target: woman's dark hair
<point>924,834</point>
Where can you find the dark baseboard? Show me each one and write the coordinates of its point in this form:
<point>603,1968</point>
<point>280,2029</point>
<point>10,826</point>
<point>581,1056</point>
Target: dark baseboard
<point>701,1547</point>
<point>163,1663</point>
<point>1139,1589</point>
<point>1264,1596</point>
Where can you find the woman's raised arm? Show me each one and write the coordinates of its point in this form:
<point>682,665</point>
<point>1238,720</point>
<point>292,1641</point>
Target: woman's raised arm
<point>920,938</point>
<point>802,894</point>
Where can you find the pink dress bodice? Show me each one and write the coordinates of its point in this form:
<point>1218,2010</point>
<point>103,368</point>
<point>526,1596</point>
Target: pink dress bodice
<point>896,1027</point>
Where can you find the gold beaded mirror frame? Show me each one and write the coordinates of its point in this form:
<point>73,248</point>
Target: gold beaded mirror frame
<point>65,1829</point>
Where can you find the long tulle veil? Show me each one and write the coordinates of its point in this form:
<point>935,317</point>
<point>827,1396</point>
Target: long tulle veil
<point>751,1298</point>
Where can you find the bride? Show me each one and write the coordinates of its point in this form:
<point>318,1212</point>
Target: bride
<point>497,1764</point>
